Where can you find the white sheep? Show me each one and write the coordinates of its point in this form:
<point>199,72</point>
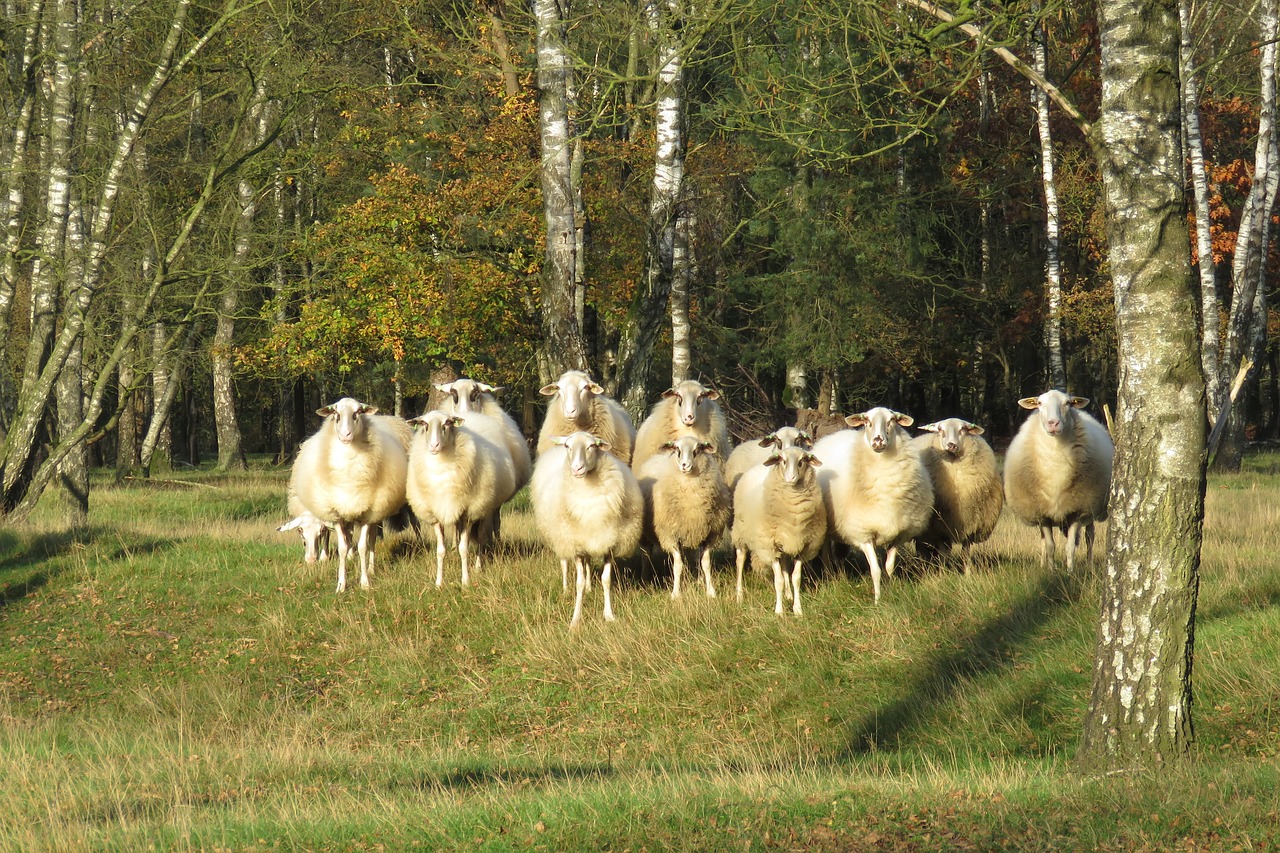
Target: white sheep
<point>314,532</point>
<point>686,503</point>
<point>752,453</point>
<point>467,396</point>
<point>779,512</point>
<point>967,492</point>
<point>1057,471</point>
<point>877,489</point>
<point>351,474</point>
<point>588,506</point>
<point>689,408</point>
<point>460,474</point>
<point>580,405</point>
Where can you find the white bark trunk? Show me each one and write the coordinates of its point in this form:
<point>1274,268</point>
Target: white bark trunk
<point>1053,231</point>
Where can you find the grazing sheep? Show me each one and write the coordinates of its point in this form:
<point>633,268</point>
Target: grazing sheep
<point>460,474</point>
<point>690,408</point>
<point>351,474</point>
<point>967,492</point>
<point>467,396</point>
<point>686,503</point>
<point>1057,471</point>
<point>877,489</point>
<point>779,511</point>
<point>580,405</point>
<point>587,506</point>
<point>752,453</point>
<point>314,532</point>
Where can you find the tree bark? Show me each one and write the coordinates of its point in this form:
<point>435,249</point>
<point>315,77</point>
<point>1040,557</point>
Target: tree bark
<point>1052,229</point>
<point>1139,710</point>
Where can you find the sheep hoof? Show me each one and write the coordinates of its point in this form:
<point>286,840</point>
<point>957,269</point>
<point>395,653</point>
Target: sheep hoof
<point>342,587</point>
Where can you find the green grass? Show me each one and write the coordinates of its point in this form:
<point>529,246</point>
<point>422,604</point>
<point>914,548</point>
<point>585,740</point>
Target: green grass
<point>174,677</point>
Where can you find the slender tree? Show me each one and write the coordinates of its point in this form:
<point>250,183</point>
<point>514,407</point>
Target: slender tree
<point>1053,220</point>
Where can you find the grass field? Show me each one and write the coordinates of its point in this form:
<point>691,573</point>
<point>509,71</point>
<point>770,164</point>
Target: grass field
<point>174,677</point>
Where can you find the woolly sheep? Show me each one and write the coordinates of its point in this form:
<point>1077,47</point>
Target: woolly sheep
<point>752,453</point>
<point>877,489</point>
<point>587,505</point>
<point>460,473</point>
<point>967,492</point>
<point>779,512</point>
<point>580,405</point>
<point>314,532</point>
<point>351,473</point>
<point>688,408</point>
<point>467,396</point>
<point>1057,471</point>
<point>686,503</point>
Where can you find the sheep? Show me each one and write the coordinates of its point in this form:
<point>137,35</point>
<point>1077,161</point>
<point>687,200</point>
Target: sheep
<point>779,511</point>
<point>580,405</point>
<point>314,532</point>
<point>1057,471</point>
<point>967,492</point>
<point>460,474</point>
<point>587,505</point>
<point>688,408</point>
<point>752,453</point>
<point>686,503</point>
<point>877,489</point>
<point>467,396</point>
<point>351,473</point>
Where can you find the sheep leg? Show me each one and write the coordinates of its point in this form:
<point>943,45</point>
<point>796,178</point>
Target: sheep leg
<point>777,586</point>
<point>795,586</point>
<point>322,543</point>
<point>365,546</point>
<point>966,557</point>
<point>677,566</point>
<point>564,575</point>
<point>1073,537</point>
<point>581,586</point>
<point>786,587</point>
<point>706,571</point>
<point>890,560</point>
<point>606,575</point>
<point>344,545</point>
<point>1046,546</point>
<point>1088,540</point>
<point>441,548</point>
<point>740,559</point>
<point>874,562</point>
<point>464,544</point>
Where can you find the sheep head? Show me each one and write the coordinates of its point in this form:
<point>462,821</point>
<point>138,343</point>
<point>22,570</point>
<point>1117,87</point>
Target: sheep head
<point>349,418</point>
<point>951,433</point>
<point>687,448</point>
<point>575,390</point>
<point>795,462</point>
<point>440,430</point>
<point>1055,409</point>
<point>690,393</point>
<point>584,451</point>
<point>881,426</point>
<point>467,393</point>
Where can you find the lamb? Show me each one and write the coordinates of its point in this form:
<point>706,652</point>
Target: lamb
<point>314,532</point>
<point>688,408</point>
<point>587,505</point>
<point>460,474</point>
<point>351,473</point>
<point>752,453</point>
<point>1057,471</point>
<point>467,396</point>
<point>967,493</point>
<point>779,511</point>
<point>877,489</point>
<point>580,405</point>
<point>686,503</point>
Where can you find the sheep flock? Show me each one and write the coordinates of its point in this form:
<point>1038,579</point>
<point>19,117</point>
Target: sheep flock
<point>664,497</point>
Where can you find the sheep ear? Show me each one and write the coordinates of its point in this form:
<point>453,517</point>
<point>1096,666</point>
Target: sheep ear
<point>857,420</point>
<point>490,389</point>
<point>774,459</point>
<point>670,392</point>
<point>1029,402</point>
<point>903,420</point>
<point>804,438</point>
<point>667,445</point>
<point>418,421</point>
<point>596,388</point>
<point>1078,402</point>
<point>706,447</point>
<point>711,394</point>
<point>368,410</point>
<point>973,429</point>
<point>813,460</point>
<point>933,427</point>
<point>292,524</point>
<point>325,412</point>
<point>603,445</point>
<point>549,390</point>
<point>560,440</point>
<point>453,421</point>
<point>446,387</point>
<point>770,439</point>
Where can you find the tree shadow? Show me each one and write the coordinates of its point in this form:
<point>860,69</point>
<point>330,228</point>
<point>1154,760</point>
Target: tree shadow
<point>988,649</point>
<point>487,776</point>
<point>18,555</point>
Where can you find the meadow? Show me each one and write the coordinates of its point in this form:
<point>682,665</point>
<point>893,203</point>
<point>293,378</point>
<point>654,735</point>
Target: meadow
<point>174,677</point>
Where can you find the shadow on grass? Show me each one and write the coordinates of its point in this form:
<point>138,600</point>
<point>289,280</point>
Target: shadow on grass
<point>986,650</point>
<point>480,777</point>
<point>20,554</point>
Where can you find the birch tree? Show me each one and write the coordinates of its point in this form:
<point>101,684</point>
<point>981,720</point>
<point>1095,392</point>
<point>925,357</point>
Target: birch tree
<point>1053,227</point>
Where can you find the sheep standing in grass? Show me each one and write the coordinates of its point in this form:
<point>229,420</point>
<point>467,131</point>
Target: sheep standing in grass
<point>1057,471</point>
<point>351,473</point>
<point>752,453</point>
<point>467,396</point>
<point>877,489</point>
<point>967,492</point>
<point>688,408</point>
<point>779,512</point>
<point>588,506</point>
<point>460,474</point>
<point>580,405</point>
<point>686,503</point>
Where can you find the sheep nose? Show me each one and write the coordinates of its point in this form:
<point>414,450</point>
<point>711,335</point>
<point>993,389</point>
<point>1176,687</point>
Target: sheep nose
<point>877,444</point>
<point>1053,427</point>
<point>952,447</point>
<point>578,470</point>
<point>688,419</point>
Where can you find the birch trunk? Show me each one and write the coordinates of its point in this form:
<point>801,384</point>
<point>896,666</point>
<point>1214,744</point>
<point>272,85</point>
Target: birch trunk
<point>1139,712</point>
<point>563,346</point>
<point>1052,229</point>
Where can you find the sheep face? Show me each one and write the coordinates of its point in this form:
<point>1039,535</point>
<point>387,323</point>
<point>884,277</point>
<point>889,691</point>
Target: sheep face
<point>788,437</point>
<point>349,418</point>
<point>950,434</point>
<point>1055,409</point>
<point>314,533</point>
<point>441,430</point>
<point>575,389</point>
<point>881,425</point>
<point>467,394</point>
<point>793,463</point>
<point>584,451</point>
<point>687,448</point>
<point>690,394</point>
